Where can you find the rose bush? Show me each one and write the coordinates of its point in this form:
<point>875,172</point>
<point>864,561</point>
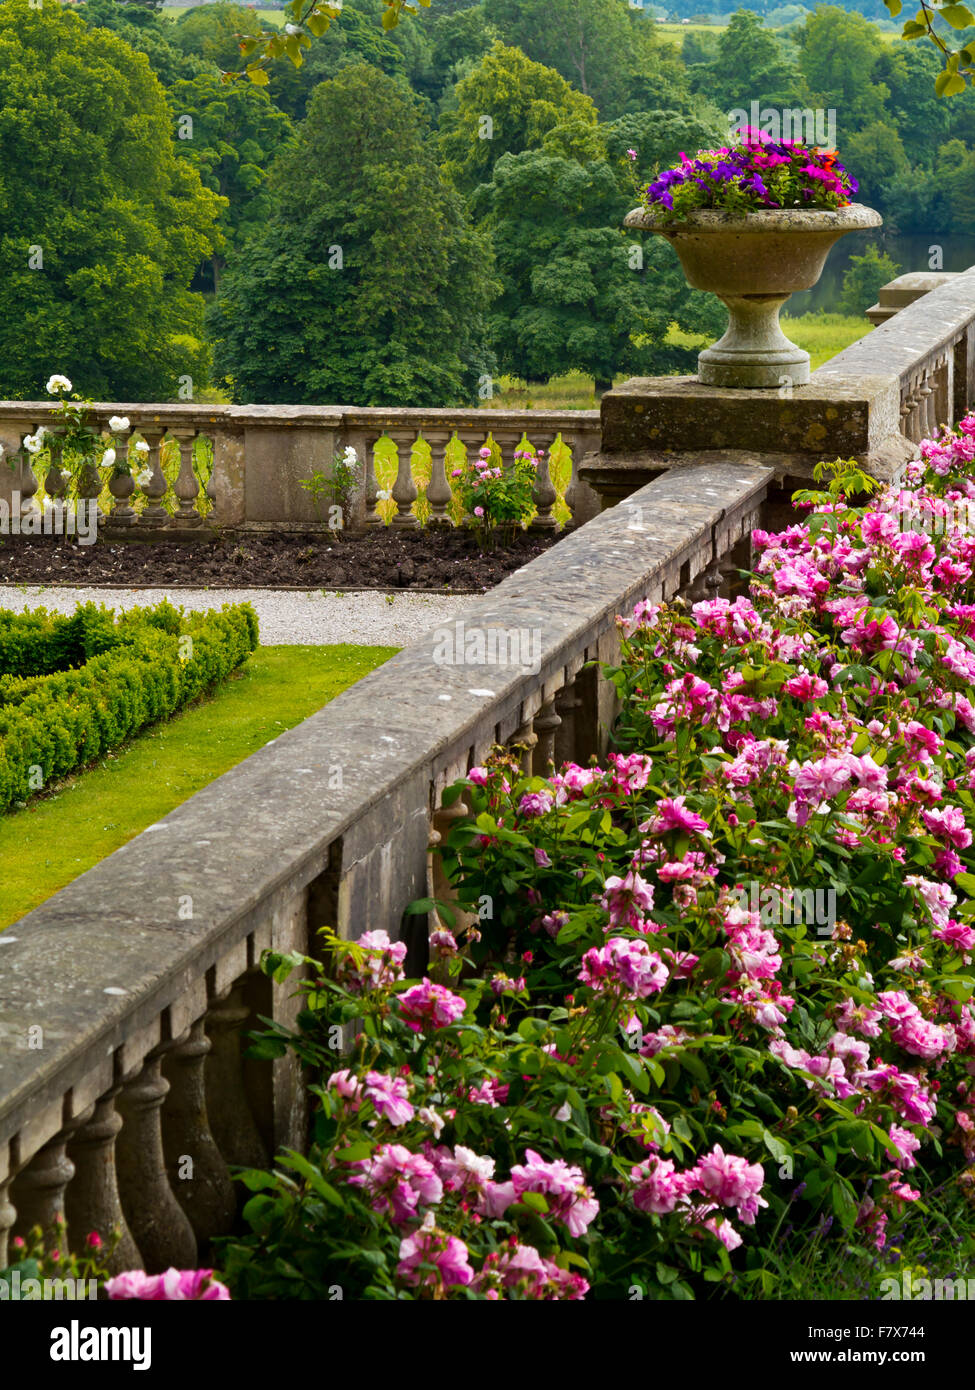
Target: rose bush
<point>620,1077</point>
<point>497,501</point>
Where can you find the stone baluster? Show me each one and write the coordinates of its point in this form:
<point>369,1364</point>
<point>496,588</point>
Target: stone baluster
<point>92,1200</point>
<point>706,583</point>
<point>56,482</point>
<point>187,486</point>
<point>232,1123</point>
<point>210,487</point>
<point>546,723</point>
<point>440,886</point>
<point>28,481</point>
<point>404,488</point>
<point>8,1215</point>
<point>507,441</point>
<point>122,487</point>
<point>580,498</point>
<point>370,482</point>
<point>154,513</point>
<point>37,1193</point>
<point>926,413</point>
<point>157,1222</point>
<point>543,492</point>
<point>567,701</point>
<point>198,1175</point>
<point>439,494</point>
<point>525,739</point>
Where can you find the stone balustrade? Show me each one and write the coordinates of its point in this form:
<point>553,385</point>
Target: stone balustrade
<point>125,1098</point>
<point>257,456</point>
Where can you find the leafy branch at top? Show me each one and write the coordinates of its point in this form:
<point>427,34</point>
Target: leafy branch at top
<point>304,20</point>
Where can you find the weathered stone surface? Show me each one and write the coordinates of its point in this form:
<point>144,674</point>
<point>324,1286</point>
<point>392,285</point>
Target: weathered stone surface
<point>753,263</point>
<point>107,955</point>
<point>680,416</point>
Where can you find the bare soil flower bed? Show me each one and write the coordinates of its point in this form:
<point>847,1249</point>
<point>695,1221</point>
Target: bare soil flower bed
<point>445,558</point>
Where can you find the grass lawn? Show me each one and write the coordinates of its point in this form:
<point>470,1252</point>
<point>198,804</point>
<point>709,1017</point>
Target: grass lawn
<point>61,835</point>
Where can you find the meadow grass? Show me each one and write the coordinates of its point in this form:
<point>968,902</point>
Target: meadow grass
<point>66,831</point>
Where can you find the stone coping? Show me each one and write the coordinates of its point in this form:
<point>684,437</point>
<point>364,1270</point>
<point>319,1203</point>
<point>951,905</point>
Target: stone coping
<point>323,417</point>
<point>904,344</point>
<point>98,963</point>
<point>854,218</point>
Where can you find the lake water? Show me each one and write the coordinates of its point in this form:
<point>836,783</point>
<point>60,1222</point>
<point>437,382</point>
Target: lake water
<point>914,252</point>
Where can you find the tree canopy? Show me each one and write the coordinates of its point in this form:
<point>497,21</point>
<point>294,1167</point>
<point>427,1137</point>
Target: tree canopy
<point>102,226</point>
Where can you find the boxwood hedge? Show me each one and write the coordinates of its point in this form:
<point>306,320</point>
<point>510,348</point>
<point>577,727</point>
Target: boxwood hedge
<point>73,687</point>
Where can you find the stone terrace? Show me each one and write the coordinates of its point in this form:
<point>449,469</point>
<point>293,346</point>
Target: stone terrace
<point>140,1010</point>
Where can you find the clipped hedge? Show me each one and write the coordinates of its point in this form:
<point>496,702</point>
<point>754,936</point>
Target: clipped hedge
<point>72,688</point>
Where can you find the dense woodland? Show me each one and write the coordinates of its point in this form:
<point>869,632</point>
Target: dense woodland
<point>410,213</point>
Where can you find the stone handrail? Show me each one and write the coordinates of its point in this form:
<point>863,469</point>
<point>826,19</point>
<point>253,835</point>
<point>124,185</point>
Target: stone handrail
<point>123,1091</point>
<point>260,454</point>
<point>928,346</point>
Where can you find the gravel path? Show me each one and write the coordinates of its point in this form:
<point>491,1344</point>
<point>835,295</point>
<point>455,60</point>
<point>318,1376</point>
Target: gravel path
<point>309,618</point>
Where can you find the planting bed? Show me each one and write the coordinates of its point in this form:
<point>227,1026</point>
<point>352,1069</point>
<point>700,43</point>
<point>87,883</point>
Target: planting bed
<point>442,558</point>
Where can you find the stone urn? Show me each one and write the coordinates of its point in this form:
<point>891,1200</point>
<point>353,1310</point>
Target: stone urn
<point>753,263</point>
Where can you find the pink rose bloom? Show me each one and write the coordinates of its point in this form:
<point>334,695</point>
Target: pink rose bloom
<point>569,1199</point>
<point>948,824</point>
<point>399,1182</point>
<point>389,1095</point>
<point>382,963</point>
<point>347,1084</point>
<point>659,1187</point>
<point>429,1246</point>
<point>732,1181</point>
<point>478,511</point>
<point>429,1003</point>
<point>672,814</point>
<point>176,1285</point>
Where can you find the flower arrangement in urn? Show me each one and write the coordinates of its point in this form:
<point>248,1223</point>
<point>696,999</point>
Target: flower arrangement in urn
<point>753,222</point>
<point>756,174</point>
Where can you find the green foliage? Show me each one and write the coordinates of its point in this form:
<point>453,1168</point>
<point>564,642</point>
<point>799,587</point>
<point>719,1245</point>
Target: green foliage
<point>506,105</point>
<point>864,278</point>
<point>839,52</point>
<point>335,490</point>
<point>369,284</point>
<point>102,225</point>
<point>497,501</point>
<point>71,688</point>
<point>602,47</point>
<point>576,292</point>
<point>231,134</point>
<point>749,65</point>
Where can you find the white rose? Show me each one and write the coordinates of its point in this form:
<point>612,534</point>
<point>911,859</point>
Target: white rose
<point>108,458</point>
<point>33,443</point>
<point>56,384</point>
<point>118,423</point>
<point>144,477</point>
<point>141,447</point>
<point>350,456</point>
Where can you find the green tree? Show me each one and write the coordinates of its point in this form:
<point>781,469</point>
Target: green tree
<point>577,292</point>
<point>211,32</point>
<point>231,134</point>
<point>750,66</point>
<point>864,278</point>
<point>102,226</point>
<point>877,158</point>
<point>506,105</point>
<point>659,137</point>
<point>909,72</point>
<point>148,32</point>
<point>839,52</point>
<point>955,180</point>
<point>601,46</point>
<point>368,285</point>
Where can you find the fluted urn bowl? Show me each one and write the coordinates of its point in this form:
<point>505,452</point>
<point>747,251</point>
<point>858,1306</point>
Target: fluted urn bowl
<point>753,263</point>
